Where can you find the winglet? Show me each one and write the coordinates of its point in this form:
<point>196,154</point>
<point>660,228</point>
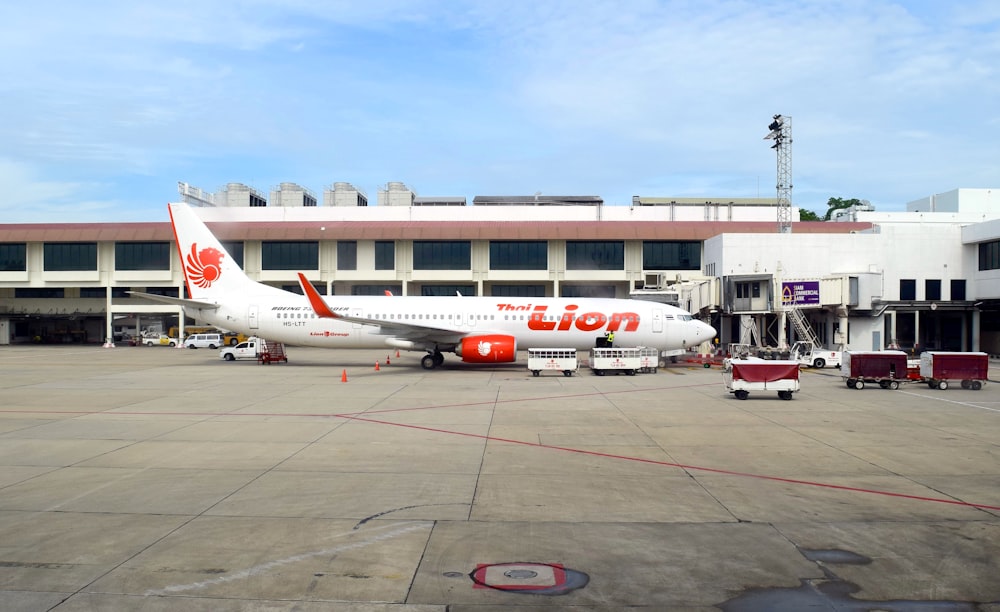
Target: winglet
<point>315,299</point>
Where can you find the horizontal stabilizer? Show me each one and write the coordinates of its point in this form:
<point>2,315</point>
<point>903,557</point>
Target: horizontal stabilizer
<point>175,301</point>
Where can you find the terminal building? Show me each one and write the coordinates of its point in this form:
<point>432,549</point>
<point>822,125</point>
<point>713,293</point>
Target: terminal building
<point>927,278</point>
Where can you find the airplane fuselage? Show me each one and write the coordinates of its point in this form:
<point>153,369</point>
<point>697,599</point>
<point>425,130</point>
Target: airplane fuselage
<point>533,323</point>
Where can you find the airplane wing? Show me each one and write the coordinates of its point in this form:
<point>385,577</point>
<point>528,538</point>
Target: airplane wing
<point>175,301</point>
<point>396,329</point>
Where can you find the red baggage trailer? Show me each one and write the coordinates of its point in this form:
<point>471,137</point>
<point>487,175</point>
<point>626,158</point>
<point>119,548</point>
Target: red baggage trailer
<point>742,376</point>
<point>887,368</point>
<point>938,367</point>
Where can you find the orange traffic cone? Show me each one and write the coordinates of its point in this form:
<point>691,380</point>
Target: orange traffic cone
<point>387,362</point>
<point>397,352</point>
<point>343,376</point>
<point>376,367</point>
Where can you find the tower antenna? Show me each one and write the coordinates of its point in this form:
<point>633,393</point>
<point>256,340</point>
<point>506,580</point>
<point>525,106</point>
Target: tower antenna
<point>781,132</point>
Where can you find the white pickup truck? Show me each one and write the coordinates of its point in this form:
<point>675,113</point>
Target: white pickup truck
<point>255,348</point>
<point>813,356</point>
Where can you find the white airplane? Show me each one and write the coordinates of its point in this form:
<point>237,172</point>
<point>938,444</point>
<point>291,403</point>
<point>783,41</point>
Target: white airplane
<point>476,329</point>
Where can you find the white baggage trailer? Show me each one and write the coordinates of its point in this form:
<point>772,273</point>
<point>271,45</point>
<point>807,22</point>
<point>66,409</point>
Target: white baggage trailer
<point>649,359</point>
<point>555,359</point>
<point>613,360</point>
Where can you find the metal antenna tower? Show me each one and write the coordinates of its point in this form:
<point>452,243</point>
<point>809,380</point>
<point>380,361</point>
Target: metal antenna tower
<point>781,133</point>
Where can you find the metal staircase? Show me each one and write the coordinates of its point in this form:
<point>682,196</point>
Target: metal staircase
<point>802,327</point>
<point>749,334</point>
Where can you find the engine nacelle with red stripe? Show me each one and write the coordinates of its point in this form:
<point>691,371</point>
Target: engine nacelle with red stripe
<point>494,348</point>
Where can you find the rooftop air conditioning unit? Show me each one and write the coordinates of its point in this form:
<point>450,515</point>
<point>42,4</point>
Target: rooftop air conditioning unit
<point>655,280</point>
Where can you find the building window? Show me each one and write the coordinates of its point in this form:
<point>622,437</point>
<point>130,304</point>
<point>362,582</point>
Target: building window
<point>442,255</point>
<point>376,289</point>
<point>93,292</point>
<point>519,255</point>
<point>595,255</point>
<point>13,257</point>
<point>235,250</point>
<point>907,289</point>
<point>989,255</point>
<point>39,292</point>
<point>289,255</point>
<point>320,288</point>
<point>164,291</point>
<point>671,255</point>
<point>587,291</point>
<point>747,290</point>
<point>70,256</point>
<point>517,291</point>
<point>385,255</point>
<point>142,256</point>
<point>932,289</point>
<point>347,255</point>
<point>958,289</point>
<point>448,290</point>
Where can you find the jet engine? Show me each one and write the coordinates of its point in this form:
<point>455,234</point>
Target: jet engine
<point>495,348</point>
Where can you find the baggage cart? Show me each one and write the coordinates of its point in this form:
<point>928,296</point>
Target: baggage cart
<point>938,367</point>
<point>754,374</point>
<point>886,368</point>
<point>614,360</point>
<point>552,359</point>
<point>271,352</point>
<point>649,359</point>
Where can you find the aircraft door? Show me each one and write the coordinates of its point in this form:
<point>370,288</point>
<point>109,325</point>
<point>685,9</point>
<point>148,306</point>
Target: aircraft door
<point>658,320</point>
<point>357,312</point>
<point>252,319</point>
<point>471,319</point>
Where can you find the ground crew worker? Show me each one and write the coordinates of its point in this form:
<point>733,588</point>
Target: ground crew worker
<point>610,336</point>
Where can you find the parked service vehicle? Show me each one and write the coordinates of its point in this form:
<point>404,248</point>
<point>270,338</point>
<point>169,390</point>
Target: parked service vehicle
<point>614,360</point>
<point>161,340</point>
<point>810,355</point>
<point>212,341</point>
<point>190,330</point>
<point>887,368</point>
<point>938,367</point>
<point>231,338</point>
<point>649,359</point>
<point>255,348</point>
<point>552,359</point>
<point>742,376</point>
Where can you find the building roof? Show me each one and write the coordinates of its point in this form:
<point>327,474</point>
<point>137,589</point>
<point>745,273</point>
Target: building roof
<point>417,230</point>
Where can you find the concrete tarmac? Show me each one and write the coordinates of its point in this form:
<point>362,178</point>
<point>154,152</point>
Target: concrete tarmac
<point>153,479</point>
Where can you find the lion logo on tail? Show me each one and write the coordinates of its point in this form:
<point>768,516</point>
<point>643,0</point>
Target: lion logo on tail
<point>204,267</point>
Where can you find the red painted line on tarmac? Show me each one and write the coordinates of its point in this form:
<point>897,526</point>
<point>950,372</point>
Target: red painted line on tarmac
<point>358,416</point>
<point>541,398</point>
<point>685,467</point>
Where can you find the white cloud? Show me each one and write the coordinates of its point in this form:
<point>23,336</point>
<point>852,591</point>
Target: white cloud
<point>31,198</point>
<point>891,100</point>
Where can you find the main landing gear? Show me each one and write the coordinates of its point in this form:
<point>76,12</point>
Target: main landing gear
<point>432,360</point>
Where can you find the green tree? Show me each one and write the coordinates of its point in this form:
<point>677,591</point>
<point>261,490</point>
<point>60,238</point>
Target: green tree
<point>839,203</point>
<point>808,215</point>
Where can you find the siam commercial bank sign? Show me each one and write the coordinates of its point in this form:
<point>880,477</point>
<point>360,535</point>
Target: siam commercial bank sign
<point>801,293</point>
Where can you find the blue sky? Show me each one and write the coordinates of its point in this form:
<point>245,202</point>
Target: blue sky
<point>108,104</point>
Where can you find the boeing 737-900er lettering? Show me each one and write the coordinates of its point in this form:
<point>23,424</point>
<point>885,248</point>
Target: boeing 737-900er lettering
<point>476,329</point>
